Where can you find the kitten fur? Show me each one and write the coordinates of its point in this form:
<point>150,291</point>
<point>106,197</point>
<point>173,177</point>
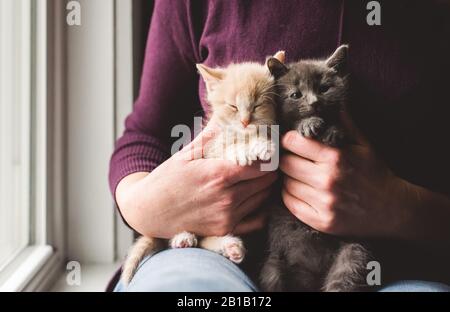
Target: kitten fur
<point>312,93</point>
<point>241,97</point>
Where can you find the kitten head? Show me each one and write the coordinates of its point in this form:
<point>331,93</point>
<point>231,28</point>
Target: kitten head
<point>311,87</point>
<point>240,94</point>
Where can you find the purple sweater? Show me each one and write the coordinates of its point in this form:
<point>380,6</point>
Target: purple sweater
<point>400,73</point>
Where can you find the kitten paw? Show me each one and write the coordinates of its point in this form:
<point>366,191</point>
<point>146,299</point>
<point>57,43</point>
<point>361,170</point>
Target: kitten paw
<point>239,156</point>
<point>311,127</point>
<point>234,249</point>
<point>183,240</point>
<point>262,150</point>
<point>333,136</point>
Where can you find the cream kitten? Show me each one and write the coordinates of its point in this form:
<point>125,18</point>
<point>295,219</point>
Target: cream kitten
<point>242,98</point>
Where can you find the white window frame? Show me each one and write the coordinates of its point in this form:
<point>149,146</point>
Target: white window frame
<point>36,266</point>
<point>15,121</point>
<point>59,92</point>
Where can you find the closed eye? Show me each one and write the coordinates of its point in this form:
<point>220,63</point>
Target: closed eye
<point>256,106</point>
<point>233,107</point>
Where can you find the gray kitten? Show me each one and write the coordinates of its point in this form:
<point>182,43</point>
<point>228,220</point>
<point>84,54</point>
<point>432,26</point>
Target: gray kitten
<point>312,94</point>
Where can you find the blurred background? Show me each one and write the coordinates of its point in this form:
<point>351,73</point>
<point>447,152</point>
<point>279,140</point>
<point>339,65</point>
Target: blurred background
<point>69,73</point>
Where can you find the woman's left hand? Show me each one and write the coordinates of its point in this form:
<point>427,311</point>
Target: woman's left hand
<point>345,191</point>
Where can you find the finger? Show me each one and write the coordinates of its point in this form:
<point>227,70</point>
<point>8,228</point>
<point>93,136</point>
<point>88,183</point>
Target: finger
<point>307,148</point>
<point>251,224</point>
<point>234,174</point>
<point>300,209</point>
<point>300,169</point>
<point>303,192</point>
<point>251,204</point>
<point>249,188</point>
<point>231,173</point>
<point>354,132</point>
<point>195,149</point>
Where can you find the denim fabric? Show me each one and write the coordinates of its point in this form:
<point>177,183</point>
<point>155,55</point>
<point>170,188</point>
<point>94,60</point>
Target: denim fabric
<point>199,270</point>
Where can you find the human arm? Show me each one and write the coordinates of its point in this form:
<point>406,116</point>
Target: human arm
<point>351,192</point>
<point>152,189</point>
<point>204,196</point>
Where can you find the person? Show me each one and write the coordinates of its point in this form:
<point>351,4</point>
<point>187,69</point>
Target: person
<point>391,185</point>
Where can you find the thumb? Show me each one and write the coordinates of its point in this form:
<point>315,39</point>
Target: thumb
<point>353,131</point>
<point>195,149</point>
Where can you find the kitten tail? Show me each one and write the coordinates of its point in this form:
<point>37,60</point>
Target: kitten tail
<point>143,247</point>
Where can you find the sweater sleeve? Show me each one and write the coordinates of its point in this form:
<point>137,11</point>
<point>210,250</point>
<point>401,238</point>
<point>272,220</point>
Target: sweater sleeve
<point>168,93</point>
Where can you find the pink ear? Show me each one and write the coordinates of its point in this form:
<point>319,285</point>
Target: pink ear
<point>281,56</point>
<point>211,76</point>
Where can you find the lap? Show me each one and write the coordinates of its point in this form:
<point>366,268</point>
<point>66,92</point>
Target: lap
<point>188,269</point>
<point>199,270</point>
<point>415,286</point>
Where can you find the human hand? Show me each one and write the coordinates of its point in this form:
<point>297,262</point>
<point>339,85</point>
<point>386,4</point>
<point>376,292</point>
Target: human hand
<point>347,191</point>
<point>188,193</point>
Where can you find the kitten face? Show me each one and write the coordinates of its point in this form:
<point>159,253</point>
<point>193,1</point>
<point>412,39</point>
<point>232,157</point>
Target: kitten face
<point>240,95</point>
<point>311,88</point>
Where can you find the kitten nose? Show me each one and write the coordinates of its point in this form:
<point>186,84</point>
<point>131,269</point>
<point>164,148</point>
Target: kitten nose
<point>245,122</point>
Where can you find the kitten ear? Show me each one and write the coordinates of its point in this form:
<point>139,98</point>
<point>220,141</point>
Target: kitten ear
<point>338,61</point>
<point>211,76</point>
<point>281,56</point>
<point>276,66</point>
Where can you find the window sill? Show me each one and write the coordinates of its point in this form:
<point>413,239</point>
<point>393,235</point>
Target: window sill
<point>94,278</point>
<point>17,274</point>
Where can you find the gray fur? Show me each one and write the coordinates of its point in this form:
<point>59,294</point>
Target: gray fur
<point>322,86</point>
<point>301,258</point>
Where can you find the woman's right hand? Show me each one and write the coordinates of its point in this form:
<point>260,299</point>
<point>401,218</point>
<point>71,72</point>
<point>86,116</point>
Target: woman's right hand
<point>207,197</point>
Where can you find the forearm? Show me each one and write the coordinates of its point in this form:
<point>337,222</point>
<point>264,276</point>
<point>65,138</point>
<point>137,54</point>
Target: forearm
<point>132,197</point>
<point>425,215</point>
<point>126,200</point>
<point>146,142</point>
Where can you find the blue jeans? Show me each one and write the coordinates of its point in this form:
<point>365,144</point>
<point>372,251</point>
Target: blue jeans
<point>197,270</point>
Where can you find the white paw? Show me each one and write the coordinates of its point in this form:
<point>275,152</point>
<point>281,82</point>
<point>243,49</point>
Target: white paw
<point>262,149</point>
<point>233,249</point>
<point>243,158</point>
<point>183,240</point>
<point>239,156</point>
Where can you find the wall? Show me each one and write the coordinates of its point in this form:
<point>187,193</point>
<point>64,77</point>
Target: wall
<point>100,91</point>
